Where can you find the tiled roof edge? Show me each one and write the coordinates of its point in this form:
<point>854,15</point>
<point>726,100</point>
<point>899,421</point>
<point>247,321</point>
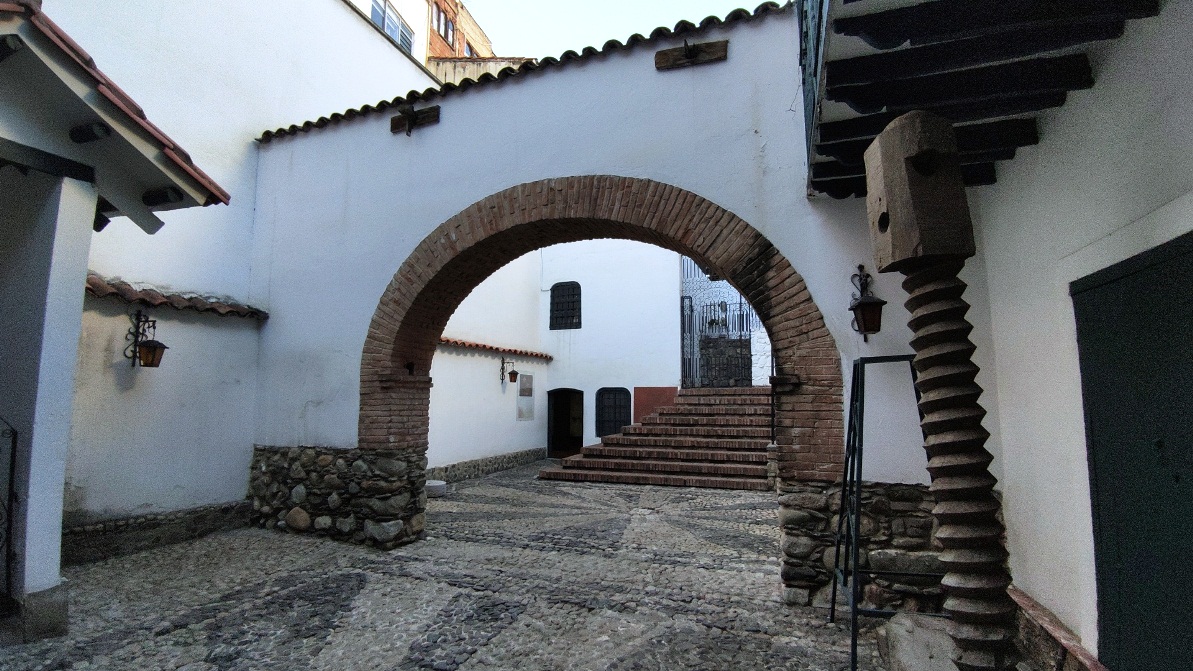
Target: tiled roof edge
<point>452,342</point>
<point>681,29</point>
<point>31,11</point>
<point>100,287</point>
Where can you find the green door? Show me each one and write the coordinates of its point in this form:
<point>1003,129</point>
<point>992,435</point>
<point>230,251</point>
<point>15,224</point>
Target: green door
<point>1135,337</point>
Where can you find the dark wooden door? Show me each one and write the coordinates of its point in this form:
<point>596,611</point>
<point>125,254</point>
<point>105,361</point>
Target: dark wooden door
<point>1135,336</point>
<point>565,422</point>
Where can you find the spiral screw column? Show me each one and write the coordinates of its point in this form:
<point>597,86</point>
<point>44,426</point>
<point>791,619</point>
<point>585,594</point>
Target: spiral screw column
<point>967,511</point>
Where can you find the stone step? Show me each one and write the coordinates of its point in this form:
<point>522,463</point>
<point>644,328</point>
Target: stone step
<point>665,466</point>
<point>629,478</point>
<point>721,431</point>
<point>659,453</point>
<point>688,442</point>
<point>715,410</point>
<point>710,420</point>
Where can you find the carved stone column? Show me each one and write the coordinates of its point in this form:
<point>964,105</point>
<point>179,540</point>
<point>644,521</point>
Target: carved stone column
<point>920,226</point>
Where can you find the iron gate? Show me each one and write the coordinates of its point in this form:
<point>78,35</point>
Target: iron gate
<point>717,329</point>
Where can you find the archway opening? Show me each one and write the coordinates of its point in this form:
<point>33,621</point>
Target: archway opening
<point>463,251</point>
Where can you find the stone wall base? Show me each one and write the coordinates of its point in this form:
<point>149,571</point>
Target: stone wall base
<point>113,538</point>
<point>44,614</point>
<point>368,497</point>
<point>896,532</point>
<point>475,468</point>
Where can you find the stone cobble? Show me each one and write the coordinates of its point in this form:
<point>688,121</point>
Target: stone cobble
<point>514,573</point>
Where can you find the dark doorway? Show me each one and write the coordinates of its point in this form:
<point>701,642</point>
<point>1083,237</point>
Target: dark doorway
<point>1135,337</point>
<point>565,422</point>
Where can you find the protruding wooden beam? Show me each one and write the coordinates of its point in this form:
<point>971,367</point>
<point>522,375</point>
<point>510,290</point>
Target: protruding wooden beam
<point>90,132</point>
<point>994,82</point>
<point>850,185</point>
<point>9,45</point>
<point>946,20</point>
<point>996,139</point>
<point>409,118</point>
<point>871,125</point>
<point>967,53</point>
<point>691,54</point>
<point>165,195</point>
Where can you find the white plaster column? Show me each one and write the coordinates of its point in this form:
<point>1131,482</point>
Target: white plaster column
<point>45,236</point>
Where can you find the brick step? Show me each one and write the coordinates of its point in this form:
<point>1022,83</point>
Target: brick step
<point>715,410</point>
<point>725,391</point>
<point>658,453</point>
<point>742,401</point>
<point>627,478</point>
<point>709,420</point>
<point>721,431</point>
<point>667,466</point>
<point>688,442</point>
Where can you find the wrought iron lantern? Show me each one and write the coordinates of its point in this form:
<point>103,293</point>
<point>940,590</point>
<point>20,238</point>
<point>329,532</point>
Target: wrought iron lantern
<point>866,307</point>
<point>143,348</point>
<point>513,374</point>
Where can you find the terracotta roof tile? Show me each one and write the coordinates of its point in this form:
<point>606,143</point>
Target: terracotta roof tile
<point>452,342</point>
<point>683,28</point>
<point>31,11</point>
<point>100,286</point>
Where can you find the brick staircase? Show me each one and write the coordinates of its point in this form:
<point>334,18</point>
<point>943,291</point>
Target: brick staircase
<point>709,438</point>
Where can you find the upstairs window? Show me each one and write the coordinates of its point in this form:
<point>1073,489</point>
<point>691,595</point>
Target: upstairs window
<point>468,50</point>
<point>565,306</point>
<point>442,24</point>
<point>388,19</point>
<point>612,410</point>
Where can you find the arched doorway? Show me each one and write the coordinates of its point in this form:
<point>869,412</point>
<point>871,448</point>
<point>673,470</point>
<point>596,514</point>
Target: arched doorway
<point>463,251</point>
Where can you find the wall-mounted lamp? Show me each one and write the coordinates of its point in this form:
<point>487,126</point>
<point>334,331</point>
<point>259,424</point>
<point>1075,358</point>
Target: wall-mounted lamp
<point>866,307</point>
<point>513,374</point>
<point>142,348</point>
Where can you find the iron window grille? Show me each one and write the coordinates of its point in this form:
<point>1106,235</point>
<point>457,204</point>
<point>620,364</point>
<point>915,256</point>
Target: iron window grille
<point>612,410</point>
<point>565,306</point>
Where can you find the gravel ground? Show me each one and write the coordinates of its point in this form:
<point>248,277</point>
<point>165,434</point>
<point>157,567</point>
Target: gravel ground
<point>515,574</point>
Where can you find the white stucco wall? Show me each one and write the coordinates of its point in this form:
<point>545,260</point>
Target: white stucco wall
<point>43,256</point>
<point>503,310</point>
<point>473,415</point>
<point>629,319</point>
<point>339,211</point>
<point>214,74</point>
<point>146,440</point>
<point>416,13</point>
<point>1110,178</point>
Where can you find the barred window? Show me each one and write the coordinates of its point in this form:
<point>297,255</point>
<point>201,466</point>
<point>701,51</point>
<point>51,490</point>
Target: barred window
<point>565,306</point>
<point>612,410</point>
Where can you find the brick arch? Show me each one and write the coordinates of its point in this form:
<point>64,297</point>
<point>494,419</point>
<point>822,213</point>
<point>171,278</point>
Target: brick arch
<point>464,250</point>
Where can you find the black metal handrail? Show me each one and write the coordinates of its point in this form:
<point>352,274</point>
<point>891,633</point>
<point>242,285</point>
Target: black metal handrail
<point>8,509</point>
<point>849,520</point>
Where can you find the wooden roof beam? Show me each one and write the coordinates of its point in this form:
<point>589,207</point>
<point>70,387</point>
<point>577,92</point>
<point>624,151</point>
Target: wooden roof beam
<point>945,20</point>
<point>991,83</point>
<point>971,52</point>
<point>871,125</point>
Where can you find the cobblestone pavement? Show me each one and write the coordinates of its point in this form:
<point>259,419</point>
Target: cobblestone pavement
<point>516,574</point>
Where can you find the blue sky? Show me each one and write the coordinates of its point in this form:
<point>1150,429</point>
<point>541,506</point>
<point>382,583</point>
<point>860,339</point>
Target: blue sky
<point>539,28</point>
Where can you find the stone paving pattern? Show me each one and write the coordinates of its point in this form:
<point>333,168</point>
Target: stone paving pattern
<point>515,573</point>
